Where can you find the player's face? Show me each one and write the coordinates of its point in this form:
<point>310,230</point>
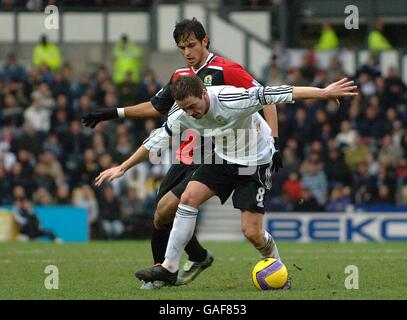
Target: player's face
<point>193,50</point>
<point>194,106</point>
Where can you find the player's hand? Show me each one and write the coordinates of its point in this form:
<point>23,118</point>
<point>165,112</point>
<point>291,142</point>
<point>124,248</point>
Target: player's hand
<point>93,118</point>
<point>340,89</point>
<point>277,160</point>
<point>109,175</point>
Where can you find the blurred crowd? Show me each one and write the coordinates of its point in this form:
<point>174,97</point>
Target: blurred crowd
<point>333,157</point>
<point>336,157</point>
<point>48,157</point>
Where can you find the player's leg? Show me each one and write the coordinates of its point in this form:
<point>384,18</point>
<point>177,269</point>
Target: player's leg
<point>198,257</point>
<point>183,228</point>
<point>162,223</point>
<point>249,197</point>
<point>168,197</point>
<point>252,228</point>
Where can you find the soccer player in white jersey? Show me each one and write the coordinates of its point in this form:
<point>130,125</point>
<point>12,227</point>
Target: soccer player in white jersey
<point>221,111</point>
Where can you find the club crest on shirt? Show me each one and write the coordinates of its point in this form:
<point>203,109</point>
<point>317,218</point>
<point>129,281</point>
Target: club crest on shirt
<point>208,80</point>
<point>221,119</point>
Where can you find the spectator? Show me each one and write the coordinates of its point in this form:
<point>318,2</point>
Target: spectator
<point>384,196</point>
<point>6,186</point>
<point>356,154</point>
<point>314,179</point>
<point>272,74</point>
<point>328,39</point>
<point>46,53</point>
<point>28,223</point>
<point>38,116</point>
<point>292,187</point>
<point>109,210</point>
<point>7,158</point>
<point>347,135</point>
<point>307,202</point>
<point>83,107</point>
<point>82,86</point>
<point>63,196</point>
<point>60,85</point>
<point>376,39</point>
<point>102,84</point>
<point>371,127</point>
<point>12,71</point>
<point>52,167</point>
<point>129,93</point>
<point>137,222</point>
<point>21,180</point>
<point>149,85</point>
<point>52,144</point>
<point>336,169</point>
<point>365,186</point>
<point>42,179</point>
<point>339,199</point>
<point>389,152</point>
<point>138,183</point>
<point>84,197</point>
<point>127,59</point>
<point>12,112</point>
<point>90,168</point>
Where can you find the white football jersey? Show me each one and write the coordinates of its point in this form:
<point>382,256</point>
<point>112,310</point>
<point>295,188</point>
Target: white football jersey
<point>239,132</point>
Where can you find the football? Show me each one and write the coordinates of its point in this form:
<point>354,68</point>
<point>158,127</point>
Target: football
<point>269,274</point>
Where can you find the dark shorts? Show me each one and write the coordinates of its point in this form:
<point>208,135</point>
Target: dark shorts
<point>176,180</point>
<point>250,186</point>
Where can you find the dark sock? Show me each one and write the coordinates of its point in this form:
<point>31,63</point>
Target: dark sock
<point>195,251</point>
<point>159,240</point>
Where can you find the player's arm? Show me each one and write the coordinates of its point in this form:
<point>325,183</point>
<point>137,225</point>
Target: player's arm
<point>270,114</point>
<point>283,94</point>
<point>115,172</point>
<point>158,105</point>
<point>157,142</point>
<point>141,110</point>
<point>336,90</point>
<point>249,101</point>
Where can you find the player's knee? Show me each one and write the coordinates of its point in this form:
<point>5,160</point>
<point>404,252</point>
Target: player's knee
<point>189,199</point>
<point>164,213</point>
<point>254,235</point>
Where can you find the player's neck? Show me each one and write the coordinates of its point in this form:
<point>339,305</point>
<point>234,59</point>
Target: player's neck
<point>202,61</point>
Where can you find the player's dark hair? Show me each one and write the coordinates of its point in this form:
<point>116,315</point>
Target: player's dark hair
<point>186,86</point>
<point>186,27</point>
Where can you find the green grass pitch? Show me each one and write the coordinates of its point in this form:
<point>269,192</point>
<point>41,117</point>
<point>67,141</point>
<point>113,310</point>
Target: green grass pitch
<point>105,270</point>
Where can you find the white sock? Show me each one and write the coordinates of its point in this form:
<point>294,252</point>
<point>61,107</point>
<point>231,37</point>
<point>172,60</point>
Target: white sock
<point>269,248</point>
<point>182,231</point>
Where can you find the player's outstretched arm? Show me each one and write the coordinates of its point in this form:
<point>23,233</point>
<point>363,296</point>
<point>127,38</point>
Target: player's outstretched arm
<point>141,110</point>
<point>339,89</point>
<point>115,172</point>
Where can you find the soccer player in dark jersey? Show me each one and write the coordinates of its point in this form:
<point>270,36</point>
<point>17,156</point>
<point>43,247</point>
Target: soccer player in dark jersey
<point>193,43</point>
